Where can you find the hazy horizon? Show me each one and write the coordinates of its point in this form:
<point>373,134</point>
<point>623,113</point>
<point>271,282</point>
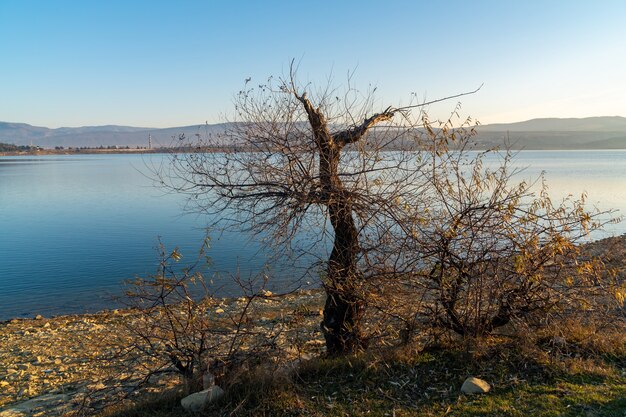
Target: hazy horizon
<point>66,126</point>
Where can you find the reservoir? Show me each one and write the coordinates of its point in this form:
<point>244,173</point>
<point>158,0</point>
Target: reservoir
<point>73,228</point>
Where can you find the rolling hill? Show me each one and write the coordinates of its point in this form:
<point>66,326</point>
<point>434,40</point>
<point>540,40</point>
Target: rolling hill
<point>555,133</point>
<point>548,133</point>
<point>94,136</point>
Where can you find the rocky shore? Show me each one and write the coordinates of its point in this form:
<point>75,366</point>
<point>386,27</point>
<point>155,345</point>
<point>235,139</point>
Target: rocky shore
<point>49,365</point>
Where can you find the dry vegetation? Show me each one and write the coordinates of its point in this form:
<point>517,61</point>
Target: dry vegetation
<point>441,267</point>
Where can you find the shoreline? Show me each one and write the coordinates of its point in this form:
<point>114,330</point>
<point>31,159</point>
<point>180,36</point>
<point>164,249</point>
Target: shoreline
<point>113,151</point>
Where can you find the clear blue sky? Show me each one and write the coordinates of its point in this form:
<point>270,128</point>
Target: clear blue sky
<point>171,63</point>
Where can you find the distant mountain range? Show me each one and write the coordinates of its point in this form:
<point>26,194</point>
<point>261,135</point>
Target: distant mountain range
<point>95,136</point>
<point>554,133</point>
<point>548,133</point>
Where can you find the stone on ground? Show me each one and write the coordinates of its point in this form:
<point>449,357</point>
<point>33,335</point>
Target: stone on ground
<point>474,385</point>
<point>198,400</point>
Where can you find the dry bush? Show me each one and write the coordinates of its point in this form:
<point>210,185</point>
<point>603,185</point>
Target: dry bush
<point>177,326</point>
<point>193,332</point>
<point>487,251</point>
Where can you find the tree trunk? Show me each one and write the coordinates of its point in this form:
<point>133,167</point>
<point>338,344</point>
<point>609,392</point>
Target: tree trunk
<point>343,310</point>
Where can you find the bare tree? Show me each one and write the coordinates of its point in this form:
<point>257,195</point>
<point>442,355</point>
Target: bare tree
<point>402,205</point>
<point>306,159</point>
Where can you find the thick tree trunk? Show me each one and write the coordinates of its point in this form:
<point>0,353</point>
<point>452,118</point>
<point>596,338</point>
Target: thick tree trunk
<point>344,308</point>
<point>343,312</point>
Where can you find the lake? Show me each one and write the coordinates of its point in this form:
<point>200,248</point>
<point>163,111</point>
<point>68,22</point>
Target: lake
<point>73,228</point>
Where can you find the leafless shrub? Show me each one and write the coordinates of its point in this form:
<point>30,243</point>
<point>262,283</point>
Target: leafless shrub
<point>192,331</point>
<point>491,251</point>
<point>175,325</point>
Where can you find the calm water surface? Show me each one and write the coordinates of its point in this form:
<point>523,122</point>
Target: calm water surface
<point>73,228</point>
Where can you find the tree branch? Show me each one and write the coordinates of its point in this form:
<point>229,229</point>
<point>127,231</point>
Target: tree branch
<point>356,133</point>
<point>438,100</point>
<point>353,135</point>
<point>316,119</point>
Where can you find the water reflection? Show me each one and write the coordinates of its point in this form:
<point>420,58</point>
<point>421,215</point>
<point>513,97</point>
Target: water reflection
<point>74,227</point>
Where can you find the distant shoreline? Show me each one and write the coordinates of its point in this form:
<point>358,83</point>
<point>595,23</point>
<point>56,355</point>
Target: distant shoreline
<point>98,151</point>
<point>87,151</point>
<point>110,151</point>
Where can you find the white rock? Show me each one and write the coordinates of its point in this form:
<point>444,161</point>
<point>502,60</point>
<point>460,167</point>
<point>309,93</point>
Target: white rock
<point>198,400</point>
<point>475,386</point>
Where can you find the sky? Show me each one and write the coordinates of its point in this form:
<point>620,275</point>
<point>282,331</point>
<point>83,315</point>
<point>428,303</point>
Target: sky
<point>173,63</point>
